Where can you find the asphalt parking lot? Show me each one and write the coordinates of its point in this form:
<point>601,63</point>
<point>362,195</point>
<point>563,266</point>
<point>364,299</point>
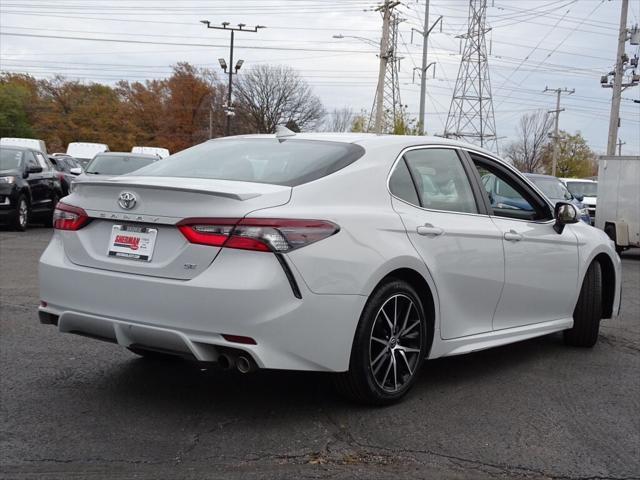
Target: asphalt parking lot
<point>77,408</point>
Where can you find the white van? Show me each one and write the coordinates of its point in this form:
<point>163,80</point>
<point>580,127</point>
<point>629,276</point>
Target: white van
<point>32,143</point>
<point>160,152</point>
<point>84,151</point>
<point>619,199</point>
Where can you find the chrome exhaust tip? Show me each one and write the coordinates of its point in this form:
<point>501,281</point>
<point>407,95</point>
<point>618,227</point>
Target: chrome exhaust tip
<point>244,365</point>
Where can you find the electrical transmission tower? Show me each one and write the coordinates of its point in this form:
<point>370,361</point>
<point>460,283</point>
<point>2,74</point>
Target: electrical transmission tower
<point>471,115</point>
<point>387,107</point>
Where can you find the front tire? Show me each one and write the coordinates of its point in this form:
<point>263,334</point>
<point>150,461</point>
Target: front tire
<point>588,311</point>
<point>389,346</point>
<point>23,212</point>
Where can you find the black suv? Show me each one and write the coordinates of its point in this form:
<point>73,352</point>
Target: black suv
<point>29,187</point>
<point>68,168</point>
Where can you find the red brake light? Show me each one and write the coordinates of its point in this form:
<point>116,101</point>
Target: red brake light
<point>259,234</point>
<point>68,217</point>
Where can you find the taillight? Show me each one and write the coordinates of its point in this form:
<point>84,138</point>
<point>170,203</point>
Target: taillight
<point>259,234</point>
<point>68,217</point>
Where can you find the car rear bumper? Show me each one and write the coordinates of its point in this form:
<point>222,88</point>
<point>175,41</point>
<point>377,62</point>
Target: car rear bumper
<point>242,293</point>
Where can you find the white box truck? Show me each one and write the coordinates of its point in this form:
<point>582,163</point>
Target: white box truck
<point>85,151</point>
<point>33,143</point>
<point>158,151</point>
<point>619,199</point>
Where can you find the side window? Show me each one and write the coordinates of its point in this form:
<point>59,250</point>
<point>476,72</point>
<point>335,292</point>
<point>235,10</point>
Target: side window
<point>41,161</point>
<point>507,197</point>
<point>401,185</point>
<point>441,180</point>
<point>31,159</point>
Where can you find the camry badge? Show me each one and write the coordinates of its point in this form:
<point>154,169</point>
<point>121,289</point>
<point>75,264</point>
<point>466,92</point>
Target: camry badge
<point>127,200</point>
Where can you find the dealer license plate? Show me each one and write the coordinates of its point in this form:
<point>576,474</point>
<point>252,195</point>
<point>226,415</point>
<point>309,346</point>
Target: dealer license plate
<point>132,242</point>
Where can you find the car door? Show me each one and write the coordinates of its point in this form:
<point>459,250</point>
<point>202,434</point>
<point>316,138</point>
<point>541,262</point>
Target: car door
<point>36,181</point>
<point>50,181</point>
<point>541,266</point>
<point>447,223</point>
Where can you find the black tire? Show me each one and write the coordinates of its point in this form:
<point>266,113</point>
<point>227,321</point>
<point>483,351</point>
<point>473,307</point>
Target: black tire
<point>362,381</point>
<point>588,311</point>
<point>48,222</point>
<point>22,215</point>
<point>154,355</point>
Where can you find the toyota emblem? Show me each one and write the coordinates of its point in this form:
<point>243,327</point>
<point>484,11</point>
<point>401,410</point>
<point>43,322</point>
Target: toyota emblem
<point>127,200</point>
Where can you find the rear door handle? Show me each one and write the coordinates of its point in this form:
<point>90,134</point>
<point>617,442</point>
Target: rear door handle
<point>429,230</point>
<point>512,236</point>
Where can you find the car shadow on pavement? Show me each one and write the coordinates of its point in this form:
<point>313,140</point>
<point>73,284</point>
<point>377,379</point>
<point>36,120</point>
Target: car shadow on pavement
<point>190,387</point>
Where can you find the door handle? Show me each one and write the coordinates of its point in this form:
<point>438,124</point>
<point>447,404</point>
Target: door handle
<point>512,236</point>
<point>429,230</point>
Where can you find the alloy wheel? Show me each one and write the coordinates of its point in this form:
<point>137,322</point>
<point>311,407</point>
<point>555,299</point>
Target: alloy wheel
<point>23,213</point>
<point>395,343</point>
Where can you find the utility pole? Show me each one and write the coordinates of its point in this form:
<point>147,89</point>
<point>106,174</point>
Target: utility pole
<point>556,134</point>
<point>620,143</point>
<point>425,66</point>
<point>240,28</point>
<point>385,54</point>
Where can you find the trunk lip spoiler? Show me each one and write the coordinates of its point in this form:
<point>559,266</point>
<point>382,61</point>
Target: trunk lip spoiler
<point>140,185</point>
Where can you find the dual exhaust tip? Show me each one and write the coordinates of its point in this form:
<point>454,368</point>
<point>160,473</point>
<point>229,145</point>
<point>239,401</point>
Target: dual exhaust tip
<point>242,363</point>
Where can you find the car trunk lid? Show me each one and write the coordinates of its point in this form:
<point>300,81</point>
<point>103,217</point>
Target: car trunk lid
<point>160,204</point>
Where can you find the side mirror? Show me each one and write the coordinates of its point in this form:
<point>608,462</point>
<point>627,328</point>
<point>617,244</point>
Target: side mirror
<point>34,169</point>
<point>565,213</point>
<point>75,171</point>
<point>579,197</point>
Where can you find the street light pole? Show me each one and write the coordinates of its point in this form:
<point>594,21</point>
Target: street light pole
<point>240,28</point>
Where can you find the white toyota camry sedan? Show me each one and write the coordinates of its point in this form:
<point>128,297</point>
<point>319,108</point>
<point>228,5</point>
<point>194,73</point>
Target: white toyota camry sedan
<point>356,254</point>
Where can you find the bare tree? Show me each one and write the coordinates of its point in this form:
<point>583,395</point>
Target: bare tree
<point>339,120</point>
<point>533,134</point>
<point>271,95</point>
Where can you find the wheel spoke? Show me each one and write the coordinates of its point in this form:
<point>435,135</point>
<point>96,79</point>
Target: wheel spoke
<point>410,350</point>
<point>388,321</point>
<point>386,374</point>
<point>395,371</point>
<point>404,357</point>
<point>406,318</point>
<point>409,328</point>
<point>379,340</point>
<point>377,359</point>
<point>395,313</point>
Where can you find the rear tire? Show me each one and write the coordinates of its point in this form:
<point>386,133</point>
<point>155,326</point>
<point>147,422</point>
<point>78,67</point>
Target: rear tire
<point>389,346</point>
<point>23,213</point>
<point>588,311</point>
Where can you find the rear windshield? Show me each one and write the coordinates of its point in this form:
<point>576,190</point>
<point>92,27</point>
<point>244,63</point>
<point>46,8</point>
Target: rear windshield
<point>265,160</point>
<point>117,165</point>
<point>10,159</point>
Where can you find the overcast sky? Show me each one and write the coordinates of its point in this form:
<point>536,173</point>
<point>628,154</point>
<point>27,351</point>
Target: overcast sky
<point>534,43</point>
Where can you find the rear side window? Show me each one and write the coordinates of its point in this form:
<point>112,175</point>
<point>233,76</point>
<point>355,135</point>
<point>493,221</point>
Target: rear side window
<point>401,185</point>
<point>289,163</point>
<point>441,180</point>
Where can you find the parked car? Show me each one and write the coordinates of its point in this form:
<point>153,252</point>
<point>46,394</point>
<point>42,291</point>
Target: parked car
<point>586,190</point>
<point>356,254</point>
<point>85,151</point>
<point>619,199</point>
<point>556,191</point>
<point>68,169</point>
<point>29,187</point>
<point>160,152</point>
